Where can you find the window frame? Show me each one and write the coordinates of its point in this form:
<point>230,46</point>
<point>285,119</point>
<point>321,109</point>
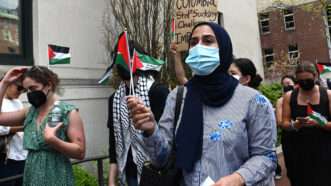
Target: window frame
<point>25,58</point>
<point>220,19</point>
<point>288,22</point>
<point>290,53</point>
<point>264,20</point>
<point>265,56</point>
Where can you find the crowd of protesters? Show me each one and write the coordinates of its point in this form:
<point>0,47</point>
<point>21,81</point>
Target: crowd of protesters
<point>225,130</point>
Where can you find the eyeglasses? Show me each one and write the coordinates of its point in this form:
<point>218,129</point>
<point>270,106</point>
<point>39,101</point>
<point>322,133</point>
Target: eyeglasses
<point>36,68</point>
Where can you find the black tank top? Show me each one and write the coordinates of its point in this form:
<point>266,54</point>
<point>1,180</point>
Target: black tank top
<point>301,110</point>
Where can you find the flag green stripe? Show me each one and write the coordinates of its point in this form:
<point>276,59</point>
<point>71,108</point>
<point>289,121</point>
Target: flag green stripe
<point>150,60</point>
<point>318,118</point>
<point>326,69</point>
<point>150,63</point>
<point>120,61</point>
<point>59,61</point>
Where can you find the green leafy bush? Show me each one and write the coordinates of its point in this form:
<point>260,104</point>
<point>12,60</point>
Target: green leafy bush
<point>271,91</point>
<point>83,178</point>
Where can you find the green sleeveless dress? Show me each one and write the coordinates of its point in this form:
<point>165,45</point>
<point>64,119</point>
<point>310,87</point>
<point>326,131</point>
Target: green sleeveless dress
<point>45,166</point>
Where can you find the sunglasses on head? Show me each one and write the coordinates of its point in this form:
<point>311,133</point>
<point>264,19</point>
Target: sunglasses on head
<point>20,88</point>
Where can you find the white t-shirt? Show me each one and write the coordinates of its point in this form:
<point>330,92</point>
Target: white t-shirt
<point>15,146</point>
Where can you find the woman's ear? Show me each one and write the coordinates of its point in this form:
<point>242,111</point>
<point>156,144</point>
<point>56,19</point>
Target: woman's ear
<point>244,80</point>
<point>49,87</point>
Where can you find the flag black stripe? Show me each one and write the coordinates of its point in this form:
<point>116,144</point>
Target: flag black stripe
<point>61,49</point>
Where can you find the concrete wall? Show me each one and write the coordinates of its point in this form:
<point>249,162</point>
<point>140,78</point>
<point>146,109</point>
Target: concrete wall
<point>240,20</point>
<point>78,25</point>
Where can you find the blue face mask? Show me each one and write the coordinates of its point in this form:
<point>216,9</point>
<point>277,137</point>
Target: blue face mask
<point>203,60</point>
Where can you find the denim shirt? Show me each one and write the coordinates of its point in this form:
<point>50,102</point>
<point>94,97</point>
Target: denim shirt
<point>238,137</point>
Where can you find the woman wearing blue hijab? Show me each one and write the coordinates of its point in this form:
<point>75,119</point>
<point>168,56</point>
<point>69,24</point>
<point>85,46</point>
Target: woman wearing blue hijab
<point>226,132</point>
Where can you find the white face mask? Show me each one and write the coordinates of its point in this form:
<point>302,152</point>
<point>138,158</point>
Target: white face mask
<point>236,77</point>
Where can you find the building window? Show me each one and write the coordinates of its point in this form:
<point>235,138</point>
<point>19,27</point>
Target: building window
<point>293,51</point>
<point>269,55</point>
<point>328,17</point>
<point>6,35</point>
<point>264,23</point>
<point>220,19</point>
<point>16,32</point>
<point>289,19</point>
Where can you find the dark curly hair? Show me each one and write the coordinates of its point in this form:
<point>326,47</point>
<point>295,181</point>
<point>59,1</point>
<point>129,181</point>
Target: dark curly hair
<point>43,75</point>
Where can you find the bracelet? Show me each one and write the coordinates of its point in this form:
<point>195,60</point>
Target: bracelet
<point>292,126</point>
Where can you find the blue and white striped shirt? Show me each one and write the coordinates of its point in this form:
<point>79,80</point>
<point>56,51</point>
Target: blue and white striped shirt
<point>238,137</point>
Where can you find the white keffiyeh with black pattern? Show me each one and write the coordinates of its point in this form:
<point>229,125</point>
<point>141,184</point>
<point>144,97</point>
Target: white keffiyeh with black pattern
<point>125,133</point>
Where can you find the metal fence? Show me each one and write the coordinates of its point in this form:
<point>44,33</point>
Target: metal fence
<point>98,159</point>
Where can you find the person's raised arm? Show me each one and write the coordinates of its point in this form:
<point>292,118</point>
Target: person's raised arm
<point>179,69</point>
<point>11,118</point>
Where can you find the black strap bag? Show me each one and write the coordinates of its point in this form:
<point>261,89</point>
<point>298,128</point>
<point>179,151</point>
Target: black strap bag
<point>168,175</point>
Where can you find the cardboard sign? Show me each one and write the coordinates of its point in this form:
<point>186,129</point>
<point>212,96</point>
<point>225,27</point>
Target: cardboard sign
<point>188,14</point>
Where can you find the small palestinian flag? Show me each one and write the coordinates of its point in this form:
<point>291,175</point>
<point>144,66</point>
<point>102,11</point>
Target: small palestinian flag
<point>317,117</point>
<point>322,69</point>
<point>123,54</point>
<point>145,62</point>
<point>58,55</point>
<point>104,80</point>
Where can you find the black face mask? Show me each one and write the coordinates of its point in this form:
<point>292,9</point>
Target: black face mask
<point>307,84</point>
<point>288,88</point>
<point>37,98</point>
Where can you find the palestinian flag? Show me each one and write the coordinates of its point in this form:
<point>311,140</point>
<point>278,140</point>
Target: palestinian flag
<point>145,62</point>
<point>104,80</point>
<point>322,69</point>
<point>123,53</point>
<point>58,55</point>
<point>321,120</point>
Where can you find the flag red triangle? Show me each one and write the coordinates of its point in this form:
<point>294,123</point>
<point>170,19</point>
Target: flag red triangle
<point>136,63</point>
<point>51,53</point>
<point>309,110</point>
<point>320,68</point>
<point>123,48</point>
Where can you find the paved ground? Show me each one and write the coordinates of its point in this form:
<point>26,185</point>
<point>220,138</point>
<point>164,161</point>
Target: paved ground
<point>283,181</point>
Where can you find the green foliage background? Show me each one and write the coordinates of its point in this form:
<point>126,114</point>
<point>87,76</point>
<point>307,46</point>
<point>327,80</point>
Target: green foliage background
<point>83,178</point>
<point>271,91</point>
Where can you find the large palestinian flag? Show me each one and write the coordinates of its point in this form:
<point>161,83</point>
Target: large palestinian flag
<point>58,55</point>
